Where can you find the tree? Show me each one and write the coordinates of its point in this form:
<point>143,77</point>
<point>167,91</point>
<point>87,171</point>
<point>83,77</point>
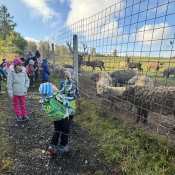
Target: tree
<point>19,42</point>
<point>31,46</point>
<point>61,50</point>
<point>7,25</point>
<point>44,48</point>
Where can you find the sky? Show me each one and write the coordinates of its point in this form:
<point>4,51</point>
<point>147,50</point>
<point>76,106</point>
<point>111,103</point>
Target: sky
<point>142,26</point>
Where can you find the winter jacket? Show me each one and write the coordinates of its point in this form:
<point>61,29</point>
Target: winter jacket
<point>17,83</point>
<point>30,70</point>
<point>45,71</point>
<point>69,88</point>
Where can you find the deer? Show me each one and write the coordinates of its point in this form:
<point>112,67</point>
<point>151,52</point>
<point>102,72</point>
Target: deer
<point>154,66</point>
<point>93,64</point>
<point>133,65</point>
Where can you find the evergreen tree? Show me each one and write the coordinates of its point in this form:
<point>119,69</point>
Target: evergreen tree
<point>7,24</point>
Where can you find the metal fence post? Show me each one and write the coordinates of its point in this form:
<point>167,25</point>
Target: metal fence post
<point>75,57</point>
<point>53,56</point>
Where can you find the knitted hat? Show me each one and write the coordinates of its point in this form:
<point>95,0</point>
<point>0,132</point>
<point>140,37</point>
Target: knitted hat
<point>68,74</point>
<point>17,61</point>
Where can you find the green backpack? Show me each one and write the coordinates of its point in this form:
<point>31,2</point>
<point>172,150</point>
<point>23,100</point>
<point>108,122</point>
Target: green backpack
<point>58,108</point>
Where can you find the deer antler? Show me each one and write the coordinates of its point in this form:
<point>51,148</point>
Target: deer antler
<point>85,49</point>
<point>70,47</point>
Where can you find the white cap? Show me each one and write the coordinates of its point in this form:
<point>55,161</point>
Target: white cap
<point>31,62</point>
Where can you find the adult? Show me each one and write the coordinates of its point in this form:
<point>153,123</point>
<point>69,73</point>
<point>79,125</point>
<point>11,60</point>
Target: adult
<point>45,71</point>
<point>37,54</point>
<point>37,64</point>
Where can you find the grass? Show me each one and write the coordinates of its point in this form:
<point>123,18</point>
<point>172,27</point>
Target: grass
<point>5,161</point>
<point>136,152</point>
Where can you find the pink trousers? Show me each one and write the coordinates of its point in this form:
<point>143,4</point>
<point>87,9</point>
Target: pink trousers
<point>19,105</point>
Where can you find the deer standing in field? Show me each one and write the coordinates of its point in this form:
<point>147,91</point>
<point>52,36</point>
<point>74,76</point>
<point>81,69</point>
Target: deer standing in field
<point>134,65</point>
<point>154,66</point>
<point>94,63</point>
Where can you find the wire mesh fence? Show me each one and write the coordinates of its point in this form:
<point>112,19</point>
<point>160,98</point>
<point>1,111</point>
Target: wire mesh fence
<point>126,53</point>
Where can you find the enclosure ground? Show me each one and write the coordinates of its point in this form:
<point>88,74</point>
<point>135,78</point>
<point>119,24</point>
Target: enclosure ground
<point>101,143</point>
<point>28,142</point>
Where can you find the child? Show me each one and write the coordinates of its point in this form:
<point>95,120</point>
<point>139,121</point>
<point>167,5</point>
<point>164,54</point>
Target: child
<point>62,127</point>
<point>2,76</point>
<point>31,72</point>
<point>18,84</point>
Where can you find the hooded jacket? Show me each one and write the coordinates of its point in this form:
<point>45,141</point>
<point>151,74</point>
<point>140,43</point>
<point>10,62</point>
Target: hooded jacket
<point>17,83</point>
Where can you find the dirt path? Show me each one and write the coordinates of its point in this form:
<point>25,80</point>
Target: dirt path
<point>29,141</point>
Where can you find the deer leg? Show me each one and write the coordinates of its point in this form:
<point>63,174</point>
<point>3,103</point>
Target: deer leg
<point>145,116</point>
<point>103,67</point>
<point>139,113</point>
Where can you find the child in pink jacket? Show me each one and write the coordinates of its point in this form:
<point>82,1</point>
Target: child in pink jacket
<point>18,84</point>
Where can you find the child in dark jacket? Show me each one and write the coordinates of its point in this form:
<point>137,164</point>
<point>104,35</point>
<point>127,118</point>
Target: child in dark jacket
<point>62,127</point>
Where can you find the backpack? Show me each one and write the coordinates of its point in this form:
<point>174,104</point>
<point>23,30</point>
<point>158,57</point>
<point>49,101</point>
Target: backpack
<point>58,107</point>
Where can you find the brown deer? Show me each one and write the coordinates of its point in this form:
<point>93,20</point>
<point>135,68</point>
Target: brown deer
<point>154,66</point>
<point>95,63</point>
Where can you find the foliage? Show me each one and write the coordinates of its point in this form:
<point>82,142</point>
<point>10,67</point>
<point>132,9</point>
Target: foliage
<point>19,42</point>
<point>7,24</point>
<point>137,152</point>
<point>10,41</point>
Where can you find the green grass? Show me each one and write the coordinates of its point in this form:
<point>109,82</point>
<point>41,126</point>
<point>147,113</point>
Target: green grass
<point>136,152</point>
<point>5,161</point>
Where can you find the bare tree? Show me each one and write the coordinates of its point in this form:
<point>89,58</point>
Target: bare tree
<point>70,47</point>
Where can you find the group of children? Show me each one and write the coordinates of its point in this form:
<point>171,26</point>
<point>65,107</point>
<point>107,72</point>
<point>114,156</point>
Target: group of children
<point>20,78</point>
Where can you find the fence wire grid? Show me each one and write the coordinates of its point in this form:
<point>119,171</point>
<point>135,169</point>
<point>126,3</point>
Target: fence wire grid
<point>127,39</point>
